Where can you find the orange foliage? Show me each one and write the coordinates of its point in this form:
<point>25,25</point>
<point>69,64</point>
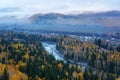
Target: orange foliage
<point>15,74</point>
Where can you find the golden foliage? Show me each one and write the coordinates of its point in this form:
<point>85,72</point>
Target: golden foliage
<point>26,56</point>
<point>15,74</point>
<point>11,61</point>
<point>60,66</point>
<point>80,76</point>
<point>115,57</point>
<point>42,67</point>
<point>17,45</point>
<point>66,73</point>
<point>22,64</point>
<point>2,67</point>
<point>118,79</point>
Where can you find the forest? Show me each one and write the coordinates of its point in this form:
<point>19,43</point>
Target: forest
<point>22,57</point>
<point>99,53</point>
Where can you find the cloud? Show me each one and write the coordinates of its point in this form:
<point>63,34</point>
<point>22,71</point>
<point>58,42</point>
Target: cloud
<point>29,7</point>
<point>4,10</point>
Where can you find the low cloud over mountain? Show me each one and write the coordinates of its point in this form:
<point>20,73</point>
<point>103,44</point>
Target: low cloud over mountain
<point>106,19</point>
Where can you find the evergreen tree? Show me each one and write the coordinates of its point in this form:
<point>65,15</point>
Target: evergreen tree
<point>5,75</point>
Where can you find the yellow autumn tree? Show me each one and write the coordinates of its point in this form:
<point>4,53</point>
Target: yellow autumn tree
<point>80,76</point>
<point>60,66</point>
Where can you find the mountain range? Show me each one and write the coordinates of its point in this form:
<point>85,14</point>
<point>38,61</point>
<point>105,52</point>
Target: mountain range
<point>92,22</point>
<point>108,19</point>
<point>99,22</point>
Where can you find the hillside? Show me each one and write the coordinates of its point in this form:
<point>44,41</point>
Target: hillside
<point>86,22</point>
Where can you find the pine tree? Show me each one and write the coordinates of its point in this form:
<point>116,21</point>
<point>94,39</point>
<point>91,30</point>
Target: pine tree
<point>5,75</point>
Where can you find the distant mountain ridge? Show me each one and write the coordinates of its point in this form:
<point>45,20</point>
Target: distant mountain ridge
<point>108,19</point>
<point>99,22</point>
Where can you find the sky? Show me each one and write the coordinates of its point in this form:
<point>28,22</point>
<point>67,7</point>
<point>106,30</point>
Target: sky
<point>29,7</point>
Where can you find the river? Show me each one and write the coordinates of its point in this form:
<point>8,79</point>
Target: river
<point>50,47</point>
